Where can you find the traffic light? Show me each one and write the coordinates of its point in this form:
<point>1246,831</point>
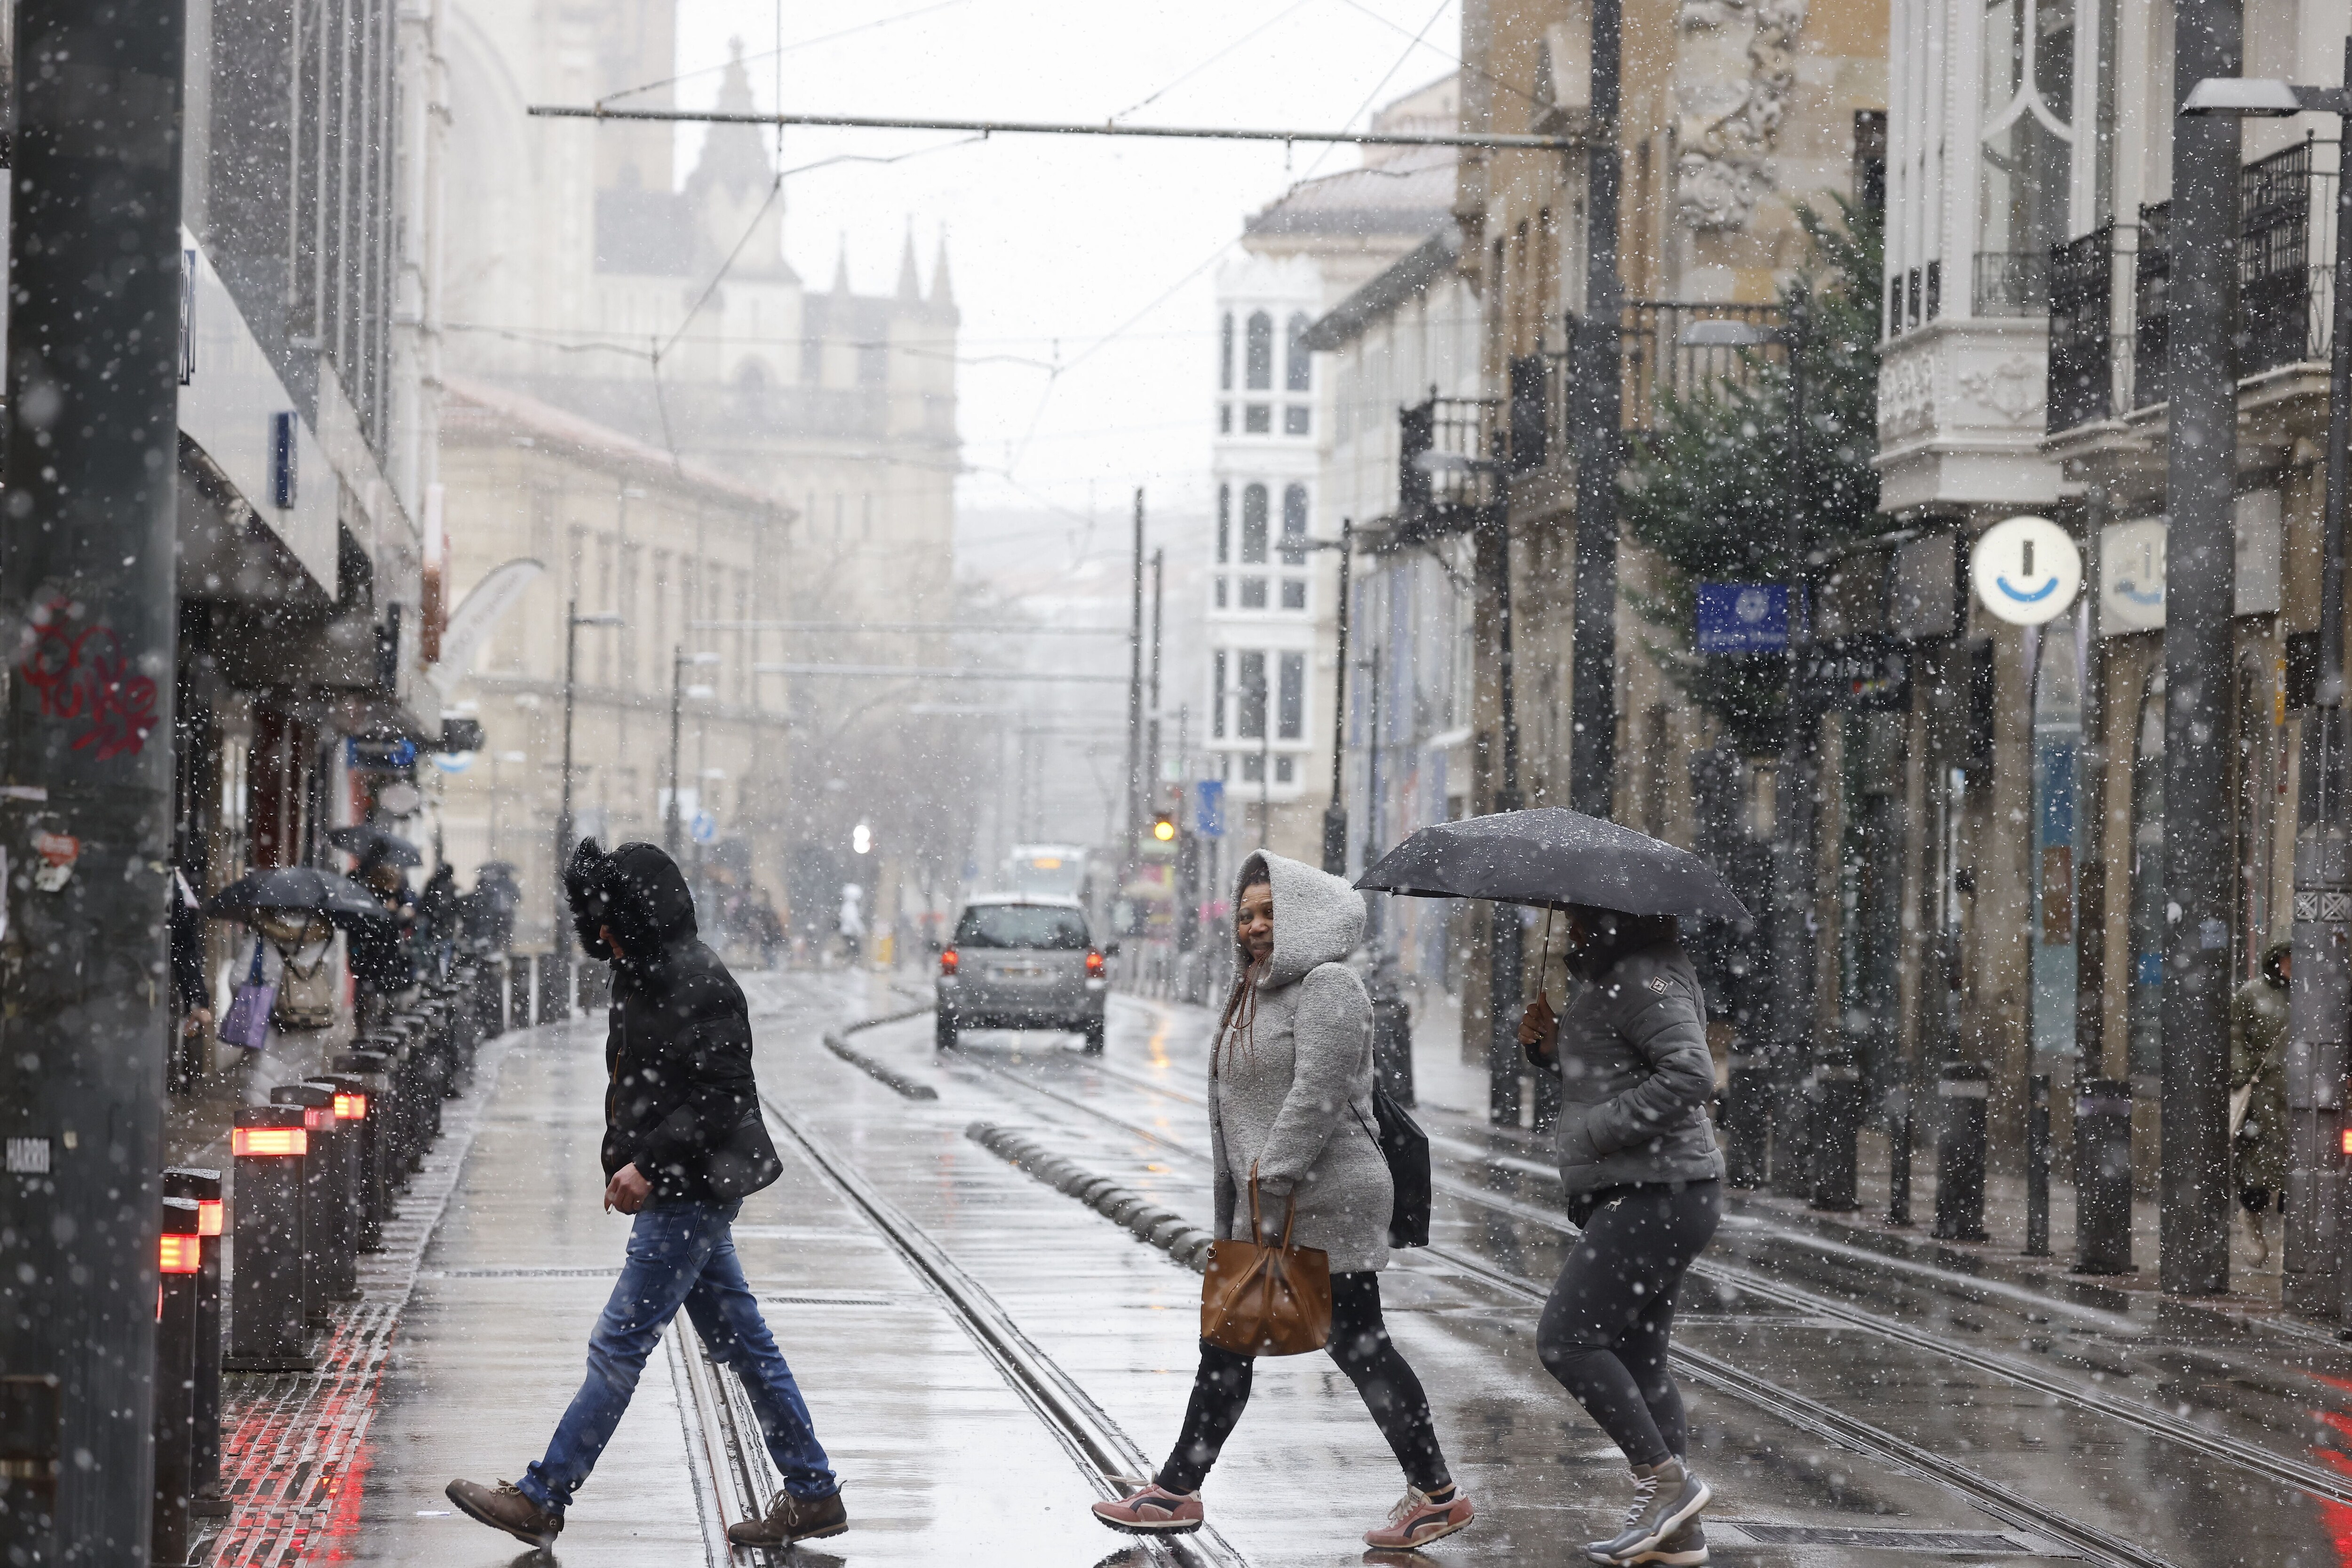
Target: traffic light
<point>1163,828</point>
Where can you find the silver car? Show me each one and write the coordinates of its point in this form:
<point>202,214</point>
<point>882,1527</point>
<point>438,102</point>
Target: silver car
<point>1023,962</point>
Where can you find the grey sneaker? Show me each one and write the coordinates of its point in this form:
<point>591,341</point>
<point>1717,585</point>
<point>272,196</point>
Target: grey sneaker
<point>1685,1548</point>
<point>1665,1496</point>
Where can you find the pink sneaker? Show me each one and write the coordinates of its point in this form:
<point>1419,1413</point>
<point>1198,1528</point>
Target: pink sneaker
<point>1415,1521</point>
<point>1154,1511</point>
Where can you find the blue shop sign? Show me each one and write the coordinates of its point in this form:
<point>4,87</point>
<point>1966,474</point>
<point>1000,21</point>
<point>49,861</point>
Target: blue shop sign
<point>1743,617</point>
<point>1209,812</point>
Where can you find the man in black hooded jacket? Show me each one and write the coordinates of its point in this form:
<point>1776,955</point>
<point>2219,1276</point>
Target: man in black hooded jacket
<point>684,1143</point>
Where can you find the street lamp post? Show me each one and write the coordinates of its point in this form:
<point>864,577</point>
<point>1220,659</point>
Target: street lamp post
<point>572,621</point>
<point>1506,960</point>
<point>2317,1278</point>
<point>1795,808</point>
<point>679,661</point>
<point>1335,815</point>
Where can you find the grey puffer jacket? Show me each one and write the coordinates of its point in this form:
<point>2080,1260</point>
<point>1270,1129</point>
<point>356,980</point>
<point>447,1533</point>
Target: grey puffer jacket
<point>1635,1076</point>
<point>1293,1093</point>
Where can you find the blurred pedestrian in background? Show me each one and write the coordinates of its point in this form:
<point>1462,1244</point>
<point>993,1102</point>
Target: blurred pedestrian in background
<point>1290,1109</point>
<point>1641,1175</point>
<point>2258,1020</point>
<point>383,962</point>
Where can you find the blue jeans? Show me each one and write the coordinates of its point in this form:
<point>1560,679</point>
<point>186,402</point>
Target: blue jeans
<point>680,1253</point>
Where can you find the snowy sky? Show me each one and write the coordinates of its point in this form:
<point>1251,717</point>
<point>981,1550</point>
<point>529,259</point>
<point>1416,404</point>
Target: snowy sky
<point>1094,255</point>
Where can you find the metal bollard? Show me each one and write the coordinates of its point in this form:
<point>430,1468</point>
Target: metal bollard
<point>2102,1176</point>
<point>1392,1044</point>
<point>364,1073</point>
<point>1746,1120</point>
<point>271,1144</point>
<point>1793,1129</point>
<point>2037,1166</point>
<point>1898,1158</point>
<point>1837,1123</point>
<point>204,1189</point>
<point>180,1259</point>
<point>331,1274</point>
<point>1962,1093</point>
<point>355,1127</point>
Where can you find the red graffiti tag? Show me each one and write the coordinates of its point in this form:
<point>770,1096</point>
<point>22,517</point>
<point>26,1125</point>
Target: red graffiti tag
<point>89,677</point>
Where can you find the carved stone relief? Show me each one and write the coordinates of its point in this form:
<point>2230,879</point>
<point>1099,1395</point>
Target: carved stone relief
<point>1730,122</point>
<point>1907,394</point>
<point>2011,389</point>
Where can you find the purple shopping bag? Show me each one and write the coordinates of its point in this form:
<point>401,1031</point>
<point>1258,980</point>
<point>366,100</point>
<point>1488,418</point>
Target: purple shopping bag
<point>248,1022</point>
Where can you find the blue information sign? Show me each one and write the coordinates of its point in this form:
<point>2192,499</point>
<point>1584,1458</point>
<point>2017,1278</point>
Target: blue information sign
<point>1208,813</point>
<point>1743,617</point>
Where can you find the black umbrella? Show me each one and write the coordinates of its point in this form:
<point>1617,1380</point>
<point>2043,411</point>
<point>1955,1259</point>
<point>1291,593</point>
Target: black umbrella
<point>1552,857</point>
<point>295,891</point>
<point>374,844</point>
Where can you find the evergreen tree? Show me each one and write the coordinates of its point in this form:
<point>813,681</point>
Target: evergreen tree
<point>1705,491</point>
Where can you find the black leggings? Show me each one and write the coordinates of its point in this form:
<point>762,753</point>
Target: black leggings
<point>1359,1343</point>
<point>1605,1330</point>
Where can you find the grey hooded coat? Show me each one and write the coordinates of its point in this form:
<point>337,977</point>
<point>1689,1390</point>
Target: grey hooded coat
<point>1292,1094</point>
<point>1635,1076</point>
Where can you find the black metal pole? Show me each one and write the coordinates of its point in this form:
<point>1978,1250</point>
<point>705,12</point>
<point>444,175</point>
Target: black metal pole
<point>1592,697</point>
<point>1335,815</point>
<point>2316,1279</point>
<point>2193,1229</point>
<point>1505,959</point>
<point>86,586</point>
<point>1134,710</point>
<point>1795,814</point>
<point>1152,706</point>
<point>677,703</point>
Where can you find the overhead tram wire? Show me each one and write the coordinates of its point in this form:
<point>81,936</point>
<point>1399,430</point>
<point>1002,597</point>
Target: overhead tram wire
<point>1491,141</point>
<point>939,626</point>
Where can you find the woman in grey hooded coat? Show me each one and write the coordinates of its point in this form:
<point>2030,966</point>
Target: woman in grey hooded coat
<point>1290,1101</point>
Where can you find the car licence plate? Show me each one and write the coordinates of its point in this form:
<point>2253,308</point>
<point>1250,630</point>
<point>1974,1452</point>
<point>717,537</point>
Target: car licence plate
<point>1020,972</point>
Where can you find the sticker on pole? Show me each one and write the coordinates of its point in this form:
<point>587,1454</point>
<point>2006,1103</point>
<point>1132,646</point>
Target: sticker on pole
<point>2026,570</point>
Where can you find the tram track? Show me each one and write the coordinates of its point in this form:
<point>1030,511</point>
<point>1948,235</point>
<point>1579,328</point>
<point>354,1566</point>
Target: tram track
<point>1809,1415</point>
<point>1101,1450</point>
<point>2323,1484</point>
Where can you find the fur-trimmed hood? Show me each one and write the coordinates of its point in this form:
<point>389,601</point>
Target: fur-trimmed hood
<point>1317,918</point>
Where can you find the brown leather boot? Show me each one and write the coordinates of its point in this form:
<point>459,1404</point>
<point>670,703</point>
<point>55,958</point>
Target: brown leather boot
<point>790,1519</point>
<point>504,1507</point>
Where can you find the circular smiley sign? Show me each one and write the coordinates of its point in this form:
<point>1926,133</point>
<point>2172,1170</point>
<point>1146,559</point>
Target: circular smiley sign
<point>2026,570</point>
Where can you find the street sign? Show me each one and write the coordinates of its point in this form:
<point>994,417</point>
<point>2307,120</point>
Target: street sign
<point>1208,813</point>
<point>704,827</point>
<point>1742,618</point>
<point>2131,576</point>
<point>1856,674</point>
<point>2026,570</point>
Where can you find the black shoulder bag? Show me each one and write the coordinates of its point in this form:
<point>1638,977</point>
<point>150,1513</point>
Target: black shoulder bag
<point>1406,1149</point>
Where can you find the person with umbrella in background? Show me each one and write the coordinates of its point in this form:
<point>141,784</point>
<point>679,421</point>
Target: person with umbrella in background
<point>1638,1161</point>
<point>383,959</point>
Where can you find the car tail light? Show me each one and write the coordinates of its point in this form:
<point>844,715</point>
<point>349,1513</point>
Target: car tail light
<point>1094,963</point>
<point>948,960</point>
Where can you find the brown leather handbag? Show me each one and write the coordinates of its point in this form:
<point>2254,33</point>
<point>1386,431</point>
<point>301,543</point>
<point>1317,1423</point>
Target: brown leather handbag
<point>1257,1299</point>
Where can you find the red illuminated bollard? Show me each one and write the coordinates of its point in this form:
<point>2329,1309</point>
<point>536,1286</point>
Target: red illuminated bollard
<point>362,1100</point>
<point>329,1272</point>
<point>180,1262</point>
<point>271,1144</point>
<point>203,1188</point>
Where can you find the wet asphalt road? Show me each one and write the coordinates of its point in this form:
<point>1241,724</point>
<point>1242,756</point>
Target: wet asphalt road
<point>2084,1411</point>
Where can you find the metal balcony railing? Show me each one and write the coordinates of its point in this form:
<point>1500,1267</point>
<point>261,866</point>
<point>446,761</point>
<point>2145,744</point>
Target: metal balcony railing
<point>1534,430</point>
<point>2101,365</point>
<point>2081,385</point>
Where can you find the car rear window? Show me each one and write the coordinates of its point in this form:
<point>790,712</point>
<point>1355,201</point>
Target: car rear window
<point>1022,925</point>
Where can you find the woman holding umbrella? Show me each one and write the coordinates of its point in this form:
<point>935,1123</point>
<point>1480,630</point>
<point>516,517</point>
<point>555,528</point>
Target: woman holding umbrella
<point>1643,1178</point>
<point>1638,1161</point>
